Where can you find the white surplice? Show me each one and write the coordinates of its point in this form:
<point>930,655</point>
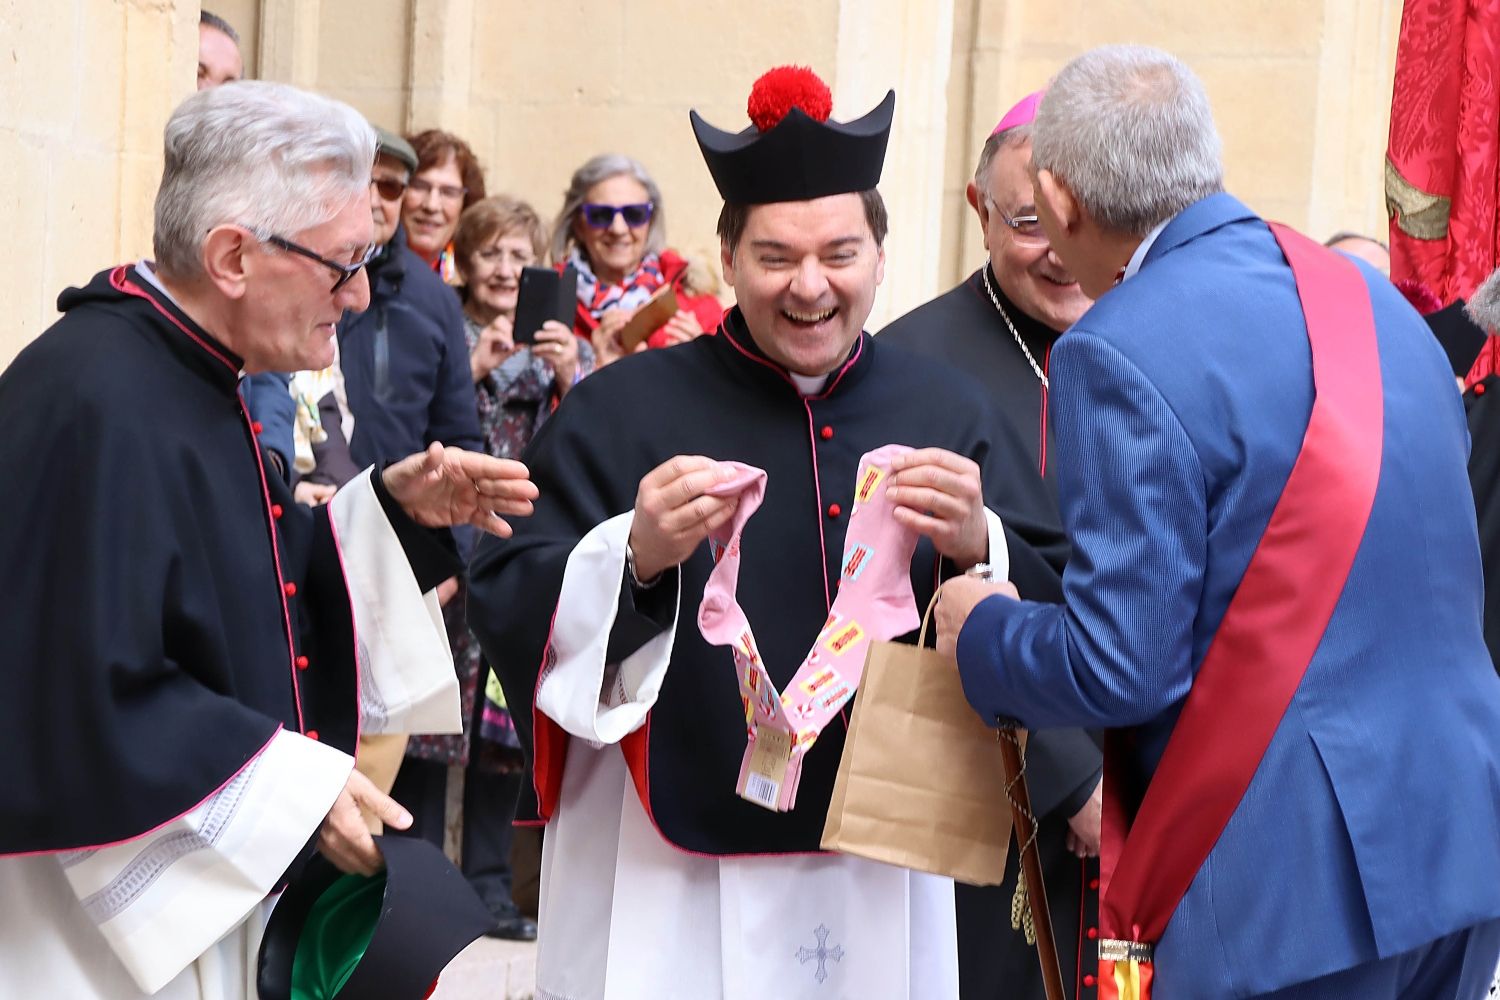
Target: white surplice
<point>178,913</point>
<point>627,916</point>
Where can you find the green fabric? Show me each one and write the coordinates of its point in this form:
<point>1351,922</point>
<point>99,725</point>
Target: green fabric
<point>334,939</point>
<point>494,692</point>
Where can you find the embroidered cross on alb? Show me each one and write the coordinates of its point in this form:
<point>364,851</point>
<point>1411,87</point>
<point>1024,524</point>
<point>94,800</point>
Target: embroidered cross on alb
<point>822,953</point>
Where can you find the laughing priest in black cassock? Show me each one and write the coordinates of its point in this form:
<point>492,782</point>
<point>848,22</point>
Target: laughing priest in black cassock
<point>190,654</point>
<point>1000,325</point>
<point>658,878</point>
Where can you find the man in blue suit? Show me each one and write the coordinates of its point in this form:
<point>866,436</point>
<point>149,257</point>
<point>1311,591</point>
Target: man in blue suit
<point>1360,855</point>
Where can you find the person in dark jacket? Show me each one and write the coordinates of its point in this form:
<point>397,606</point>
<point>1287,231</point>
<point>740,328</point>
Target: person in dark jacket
<point>406,363</point>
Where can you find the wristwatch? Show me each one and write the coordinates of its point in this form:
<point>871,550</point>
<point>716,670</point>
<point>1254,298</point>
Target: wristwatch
<point>634,577</point>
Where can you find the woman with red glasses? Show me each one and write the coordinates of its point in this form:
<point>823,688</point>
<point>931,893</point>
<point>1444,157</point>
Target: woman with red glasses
<point>612,230</point>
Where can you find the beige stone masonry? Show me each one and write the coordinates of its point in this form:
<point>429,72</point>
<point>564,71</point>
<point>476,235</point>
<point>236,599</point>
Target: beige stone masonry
<point>1301,90</point>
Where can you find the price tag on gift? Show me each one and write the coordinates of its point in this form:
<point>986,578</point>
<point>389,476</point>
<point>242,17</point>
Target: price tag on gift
<point>770,753</point>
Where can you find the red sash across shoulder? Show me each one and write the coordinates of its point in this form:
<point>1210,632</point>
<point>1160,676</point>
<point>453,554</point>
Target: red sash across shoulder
<point>1268,636</point>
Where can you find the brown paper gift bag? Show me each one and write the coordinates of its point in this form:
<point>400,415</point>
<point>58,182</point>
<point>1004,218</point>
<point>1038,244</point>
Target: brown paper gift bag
<point>921,784</point>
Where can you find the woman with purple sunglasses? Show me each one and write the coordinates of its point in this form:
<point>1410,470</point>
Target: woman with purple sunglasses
<point>612,229</point>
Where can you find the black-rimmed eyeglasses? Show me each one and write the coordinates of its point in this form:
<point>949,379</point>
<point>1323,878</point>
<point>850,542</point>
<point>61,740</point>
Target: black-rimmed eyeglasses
<point>346,272</point>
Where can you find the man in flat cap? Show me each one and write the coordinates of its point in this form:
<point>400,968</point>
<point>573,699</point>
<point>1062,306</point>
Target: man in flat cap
<point>681,858</point>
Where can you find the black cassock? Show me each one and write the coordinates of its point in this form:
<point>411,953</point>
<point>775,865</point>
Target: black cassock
<point>170,606</point>
<point>964,328</point>
<point>719,396</point>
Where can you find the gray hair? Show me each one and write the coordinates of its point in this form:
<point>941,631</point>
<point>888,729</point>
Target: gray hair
<point>1013,136</point>
<point>217,23</point>
<point>1129,130</point>
<point>266,156</point>
<point>602,168</point>
<point>1484,305</point>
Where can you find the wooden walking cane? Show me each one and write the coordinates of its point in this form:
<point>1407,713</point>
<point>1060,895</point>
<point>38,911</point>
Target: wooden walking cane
<point>1024,824</point>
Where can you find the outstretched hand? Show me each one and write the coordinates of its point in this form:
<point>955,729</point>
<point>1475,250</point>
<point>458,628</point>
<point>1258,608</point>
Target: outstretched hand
<point>442,487</point>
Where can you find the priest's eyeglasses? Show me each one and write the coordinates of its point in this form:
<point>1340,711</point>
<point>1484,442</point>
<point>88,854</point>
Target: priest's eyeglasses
<point>346,272</point>
<point>1025,230</point>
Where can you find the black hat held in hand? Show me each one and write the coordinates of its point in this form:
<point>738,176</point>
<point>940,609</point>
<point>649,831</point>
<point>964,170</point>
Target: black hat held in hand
<point>333,936</point>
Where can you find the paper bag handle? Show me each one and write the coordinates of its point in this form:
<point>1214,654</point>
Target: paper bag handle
<point>927,620</point>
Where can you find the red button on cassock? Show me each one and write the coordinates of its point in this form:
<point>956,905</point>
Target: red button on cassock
<point>312,734</point>
<point>1093,931</point>
<point>301,663</point>
<point>276,511</point>
<point>826,433</point>
<point>1089,980</point>
<point>834,510</point>
<point>256,427</point>
<point>290,590</point>
<point>1479,388</point>
<point>1094,884</point>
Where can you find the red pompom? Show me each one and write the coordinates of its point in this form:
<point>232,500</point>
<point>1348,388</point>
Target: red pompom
<point>780,90</point>
<point>1419,295</point>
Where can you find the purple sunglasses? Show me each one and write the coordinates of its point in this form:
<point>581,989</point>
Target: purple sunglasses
<point>597,216</point>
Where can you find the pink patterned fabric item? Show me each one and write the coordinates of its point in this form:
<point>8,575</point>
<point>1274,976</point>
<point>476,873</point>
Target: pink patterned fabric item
<point>874,603</point>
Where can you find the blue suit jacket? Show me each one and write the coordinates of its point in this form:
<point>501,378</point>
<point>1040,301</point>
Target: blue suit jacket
<point>1372,825</point>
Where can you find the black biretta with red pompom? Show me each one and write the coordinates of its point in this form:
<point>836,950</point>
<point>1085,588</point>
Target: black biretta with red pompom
<point>791,151</point>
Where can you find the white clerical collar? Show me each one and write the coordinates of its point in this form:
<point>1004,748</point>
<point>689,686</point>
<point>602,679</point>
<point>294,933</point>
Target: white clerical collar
<point>1139,257</point>
<point>809,385</point>
<point>145,270</point>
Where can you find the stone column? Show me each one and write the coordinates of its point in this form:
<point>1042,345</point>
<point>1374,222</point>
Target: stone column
<point>1356,67</point>
<point>905,46</point>
<point>289,32</point>
<point>442,61</point>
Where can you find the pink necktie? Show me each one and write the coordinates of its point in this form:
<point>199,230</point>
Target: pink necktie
<point>874,603</point>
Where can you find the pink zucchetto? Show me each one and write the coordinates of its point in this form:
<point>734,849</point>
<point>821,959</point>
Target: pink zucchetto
<point>1022,114</point>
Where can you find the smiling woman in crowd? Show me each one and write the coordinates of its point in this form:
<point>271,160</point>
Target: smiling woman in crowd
<point>612,228</point>
<point>516,386</point>
<point>448,179</point>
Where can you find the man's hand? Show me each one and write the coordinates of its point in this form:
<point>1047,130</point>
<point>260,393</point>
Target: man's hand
<point>446,486</point>
<point>345,838</point>
<point>496,343</point>
<point>938,494</point>
<point>1085,826</point>
<point>557,346</point>
<point>672,514</point>
<point>956,601</point>
<point>446,591</point>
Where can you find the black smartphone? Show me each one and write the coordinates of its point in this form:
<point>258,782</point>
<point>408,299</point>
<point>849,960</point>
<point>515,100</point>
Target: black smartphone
<point>545,294</point>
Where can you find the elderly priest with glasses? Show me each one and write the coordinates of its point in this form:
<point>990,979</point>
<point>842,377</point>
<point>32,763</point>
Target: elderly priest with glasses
<point>181,691</point>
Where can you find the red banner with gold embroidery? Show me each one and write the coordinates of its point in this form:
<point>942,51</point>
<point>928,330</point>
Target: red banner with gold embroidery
<point>1442,174</point>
